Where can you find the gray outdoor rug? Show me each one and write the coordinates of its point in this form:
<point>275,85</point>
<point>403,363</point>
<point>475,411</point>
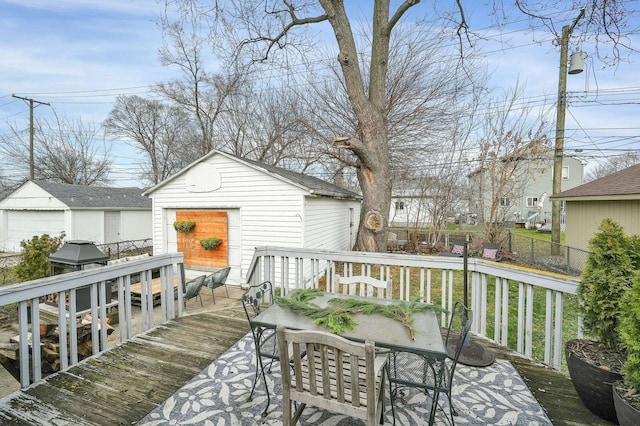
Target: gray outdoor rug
<point>218,396</point>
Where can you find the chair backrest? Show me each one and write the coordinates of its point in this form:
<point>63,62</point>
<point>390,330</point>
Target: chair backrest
<point>255,297</point>
<point>458,248</point>
<point>218,278</point>
<point>193,287</point>
<point>492,251</point>
<point>363,285</point>
<point>337,374</point>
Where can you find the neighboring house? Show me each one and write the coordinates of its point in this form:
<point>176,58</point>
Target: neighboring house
<point>616,196</point>
<point>248,204</point>
<point>92,213</point>
<point>524,197</point>
<point>409,207</point>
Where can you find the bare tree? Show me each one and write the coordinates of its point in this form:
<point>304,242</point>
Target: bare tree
<point>269,26</point>
<point>159,131</point>
<point>199,92</point>
<point>512,144</point>
<point>65,150</point>
<point>605,25</point>
<point>613,164</point>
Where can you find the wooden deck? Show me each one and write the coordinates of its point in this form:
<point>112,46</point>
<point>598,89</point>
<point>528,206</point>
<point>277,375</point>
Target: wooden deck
<point>121,386</point>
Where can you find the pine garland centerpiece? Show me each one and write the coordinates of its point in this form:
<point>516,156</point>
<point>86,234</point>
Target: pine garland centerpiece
<point>337,316</point>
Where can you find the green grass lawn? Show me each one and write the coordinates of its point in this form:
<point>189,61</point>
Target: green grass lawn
<point>570,305</point>
<point>535,234</point>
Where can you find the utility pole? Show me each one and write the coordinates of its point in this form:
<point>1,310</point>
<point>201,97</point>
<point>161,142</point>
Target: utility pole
<point>559,148</point>
<point>31,102</point>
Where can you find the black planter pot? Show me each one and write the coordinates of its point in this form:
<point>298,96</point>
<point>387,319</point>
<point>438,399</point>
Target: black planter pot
<point>628,415</point>
<point>593,385</point>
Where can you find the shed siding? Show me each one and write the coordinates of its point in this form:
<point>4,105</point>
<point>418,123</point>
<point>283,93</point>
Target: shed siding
<point>135,225</point>
<point>23,225</point>
<point>87,225</point>
<point>584,217</point>
<point>269,208</point>
<point>31,196</point>
<point>317,234</point>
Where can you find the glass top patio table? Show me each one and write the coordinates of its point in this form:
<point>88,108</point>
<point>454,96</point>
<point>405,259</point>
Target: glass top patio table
<point>385,332</point>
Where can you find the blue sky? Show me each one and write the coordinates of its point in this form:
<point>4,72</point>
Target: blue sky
<point>79,55</point>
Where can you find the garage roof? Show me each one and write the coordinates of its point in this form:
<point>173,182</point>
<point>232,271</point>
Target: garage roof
<point>84,196</point>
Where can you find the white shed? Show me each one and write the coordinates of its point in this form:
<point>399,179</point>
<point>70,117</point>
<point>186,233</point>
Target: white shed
<point>248,204</point>
<point>98,214</point>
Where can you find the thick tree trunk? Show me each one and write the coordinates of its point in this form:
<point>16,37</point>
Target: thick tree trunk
<point>375,181</point>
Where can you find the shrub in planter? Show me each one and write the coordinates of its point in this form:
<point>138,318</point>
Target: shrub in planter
<point>183,226</point>
<point>210,243</point>
<point>606,278</point>
<point>627,400</point>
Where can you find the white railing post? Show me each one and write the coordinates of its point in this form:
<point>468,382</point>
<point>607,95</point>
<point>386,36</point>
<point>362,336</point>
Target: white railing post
<point>557,344</point>
<point>27,297</point>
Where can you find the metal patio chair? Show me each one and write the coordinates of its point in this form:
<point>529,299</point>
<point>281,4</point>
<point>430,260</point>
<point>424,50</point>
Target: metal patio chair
<point>192,290</point>
<point>256,298</point>
<point>216,280</point>
<point>492,251</point>
<point>436,377</point>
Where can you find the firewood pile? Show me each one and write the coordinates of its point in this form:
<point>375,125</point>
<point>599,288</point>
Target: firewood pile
<point>50,345</point>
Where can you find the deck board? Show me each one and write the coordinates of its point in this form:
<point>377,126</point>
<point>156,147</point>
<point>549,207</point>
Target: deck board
<point>124,384</point>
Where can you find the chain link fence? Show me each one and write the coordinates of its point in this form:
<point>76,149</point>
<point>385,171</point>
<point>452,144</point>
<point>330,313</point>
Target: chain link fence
<point>546,255</point>
<point>519,249</point>
<point>114,250</point>
<point>126,248</point>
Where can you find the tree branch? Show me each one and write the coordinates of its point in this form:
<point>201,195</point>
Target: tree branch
<point>400,11</point>
<point>295,22</point>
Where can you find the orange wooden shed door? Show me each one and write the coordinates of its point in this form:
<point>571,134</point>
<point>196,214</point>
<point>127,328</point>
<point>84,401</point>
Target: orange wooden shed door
<point>208,224</point>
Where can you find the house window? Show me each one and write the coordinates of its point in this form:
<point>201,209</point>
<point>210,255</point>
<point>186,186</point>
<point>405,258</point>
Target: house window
<point>399,205</point>
<point>505,202</point>
<point>565,173</point>
<point>532,201</point>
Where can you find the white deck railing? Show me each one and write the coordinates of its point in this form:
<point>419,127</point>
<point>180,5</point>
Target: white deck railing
<point>29,296</point>
<point>436,279</point>
<point>494,288</point>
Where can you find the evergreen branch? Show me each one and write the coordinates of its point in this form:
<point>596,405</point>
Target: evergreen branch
<point>337,316</point>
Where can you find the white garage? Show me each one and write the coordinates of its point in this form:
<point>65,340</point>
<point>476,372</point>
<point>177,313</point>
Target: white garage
<point>248,204</point>
<point>98,214</point>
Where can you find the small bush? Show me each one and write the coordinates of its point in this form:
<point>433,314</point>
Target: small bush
<point>606,278</point>
<point>183,226</point>
<point>210,243</point>
<point>35,257</point>
<point>630,333</point>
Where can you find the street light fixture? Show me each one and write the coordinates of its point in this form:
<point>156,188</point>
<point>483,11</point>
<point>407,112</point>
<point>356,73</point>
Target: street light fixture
<point>560,115</point>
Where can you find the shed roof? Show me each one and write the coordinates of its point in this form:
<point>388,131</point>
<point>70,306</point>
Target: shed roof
<point>84,196</point>
<point>312,184</point>
<point>622,184</point>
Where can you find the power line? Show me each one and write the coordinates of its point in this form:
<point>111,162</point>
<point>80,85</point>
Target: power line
<point>31,107</point>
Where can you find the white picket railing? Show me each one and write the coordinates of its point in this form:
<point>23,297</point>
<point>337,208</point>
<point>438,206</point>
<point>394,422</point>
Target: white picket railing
<point>428,278</point>
<point>431,279</point>
<point>29,296</point>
